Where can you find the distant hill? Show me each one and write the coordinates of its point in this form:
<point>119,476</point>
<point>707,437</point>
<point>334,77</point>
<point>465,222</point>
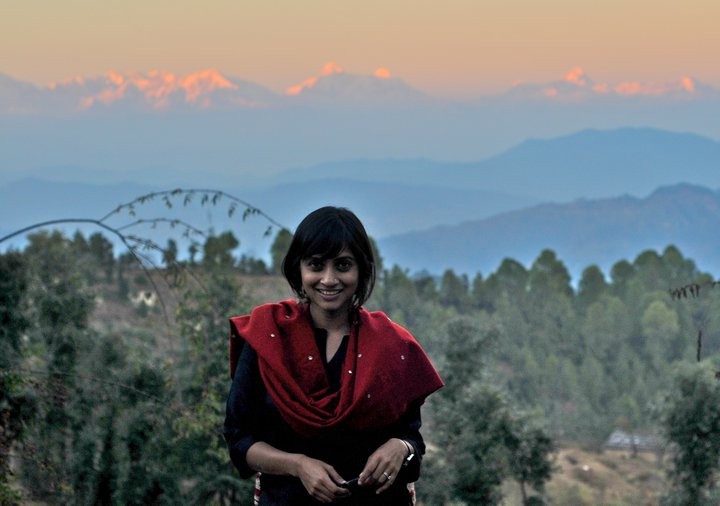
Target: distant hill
<point>589,163</point>
<point>386,208</point>
<point>417,208</point>
<point>582,232</point>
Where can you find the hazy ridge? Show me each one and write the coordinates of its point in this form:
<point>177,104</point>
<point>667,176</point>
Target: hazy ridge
<point>582,233</point>
<point>593,196</point>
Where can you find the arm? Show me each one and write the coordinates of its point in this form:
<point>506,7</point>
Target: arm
<point>320,479</point>
<point>392,457</point>
<point>241,428</point>
<point>243,432</point>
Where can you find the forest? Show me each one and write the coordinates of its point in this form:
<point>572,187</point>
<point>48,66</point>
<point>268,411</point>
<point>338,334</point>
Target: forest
<point>114,369</point>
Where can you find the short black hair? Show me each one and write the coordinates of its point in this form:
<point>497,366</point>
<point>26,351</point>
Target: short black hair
<point>325,232</point>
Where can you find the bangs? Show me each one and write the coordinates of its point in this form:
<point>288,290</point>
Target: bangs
<point>329,242</point>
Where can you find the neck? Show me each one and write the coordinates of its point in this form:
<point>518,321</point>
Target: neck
<point>334,321</point>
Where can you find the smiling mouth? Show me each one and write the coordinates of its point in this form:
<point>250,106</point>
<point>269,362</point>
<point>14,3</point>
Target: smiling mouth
<point>329,292</point>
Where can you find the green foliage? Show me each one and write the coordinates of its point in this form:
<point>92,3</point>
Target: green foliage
<point>507,284</point>
<point>108,432</point>
<point>691,422</point>
<point>170,253</point>
<point>399,296</point>
<point>485,439</point>
<point>279,249</point>
<point>591,287</point>
<point>252,266</point>
<point>454,291</point>
<point>101,250</point>
<point>132,415</point>
<point>549,275</point>
<point>217,251</point>
<point>202,320</point>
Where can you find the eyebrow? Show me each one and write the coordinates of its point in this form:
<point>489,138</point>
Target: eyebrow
<point>319,256</point>
<point>335,260</point>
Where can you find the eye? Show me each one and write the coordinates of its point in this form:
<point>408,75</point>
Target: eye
<point>315,264</point>
<point>344,265</point>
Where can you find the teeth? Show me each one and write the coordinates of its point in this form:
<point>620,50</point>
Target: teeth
<point>329,292</point>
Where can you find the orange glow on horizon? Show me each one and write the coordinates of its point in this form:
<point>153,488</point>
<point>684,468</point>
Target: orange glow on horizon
<point>161,89</point>
<point>426,45</point>
<point>328,69</point>
<point>157,87</point>
<point>576,76</point>
<point>685,84</point>
<point>689,84</point>
<point>331,68</point>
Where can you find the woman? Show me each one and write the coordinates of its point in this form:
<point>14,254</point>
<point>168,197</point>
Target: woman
<point>325,400</point>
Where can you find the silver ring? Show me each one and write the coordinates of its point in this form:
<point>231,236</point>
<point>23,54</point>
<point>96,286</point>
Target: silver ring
<point>388,476</point>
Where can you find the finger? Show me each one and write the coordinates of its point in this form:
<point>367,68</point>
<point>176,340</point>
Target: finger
<point>383,488</point>
<point>335,476</point>
<point>339,491</point>
<point>333,492</point>
<point>387,483</point>
<point>368,474</point>
<point>321,496</point>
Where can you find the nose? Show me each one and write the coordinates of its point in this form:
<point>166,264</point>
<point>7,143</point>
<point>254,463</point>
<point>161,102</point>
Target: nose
<point>329,277</point>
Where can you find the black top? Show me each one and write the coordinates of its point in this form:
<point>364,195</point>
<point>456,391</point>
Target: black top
<point>251,416</point>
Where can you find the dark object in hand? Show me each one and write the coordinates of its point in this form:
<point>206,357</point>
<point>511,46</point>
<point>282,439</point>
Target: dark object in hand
<point>351,485</point>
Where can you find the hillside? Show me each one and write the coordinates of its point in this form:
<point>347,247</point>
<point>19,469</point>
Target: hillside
<point>582,232</point>
<point>581,477</point>
<point>586,478</point>
<point>585,164</point>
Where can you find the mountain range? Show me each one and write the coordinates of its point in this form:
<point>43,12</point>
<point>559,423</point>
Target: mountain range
<point>589,163</point>
<point>466,216</point>
<point>207,127</point>
<point>581,232</point>
<point>584,232</point>
<point>418,168</point>
<point>210,89</point>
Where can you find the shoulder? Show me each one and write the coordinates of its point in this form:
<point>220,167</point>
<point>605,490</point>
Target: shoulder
<point>267,312</point>
<point>378,321</point>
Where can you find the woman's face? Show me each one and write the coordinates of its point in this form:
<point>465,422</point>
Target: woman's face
<point>331,283</point>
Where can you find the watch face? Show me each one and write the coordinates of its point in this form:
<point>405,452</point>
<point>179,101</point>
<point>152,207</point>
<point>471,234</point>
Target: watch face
<point>411,450</point>
<point>409,457</point>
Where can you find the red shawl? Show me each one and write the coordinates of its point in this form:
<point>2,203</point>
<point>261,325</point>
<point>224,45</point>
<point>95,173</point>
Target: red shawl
<point>385,369</point>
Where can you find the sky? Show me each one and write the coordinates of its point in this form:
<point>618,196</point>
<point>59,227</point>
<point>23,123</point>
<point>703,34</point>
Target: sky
<point>449,47</point>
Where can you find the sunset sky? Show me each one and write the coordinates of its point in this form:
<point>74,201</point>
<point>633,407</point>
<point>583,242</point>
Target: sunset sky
<point>449,47</point>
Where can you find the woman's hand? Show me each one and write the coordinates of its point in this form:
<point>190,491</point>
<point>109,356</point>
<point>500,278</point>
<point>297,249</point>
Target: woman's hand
<point>383,466</point>
<point>320,480</point>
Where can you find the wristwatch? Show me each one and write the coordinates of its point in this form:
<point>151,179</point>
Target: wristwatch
<point>411,453</point>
